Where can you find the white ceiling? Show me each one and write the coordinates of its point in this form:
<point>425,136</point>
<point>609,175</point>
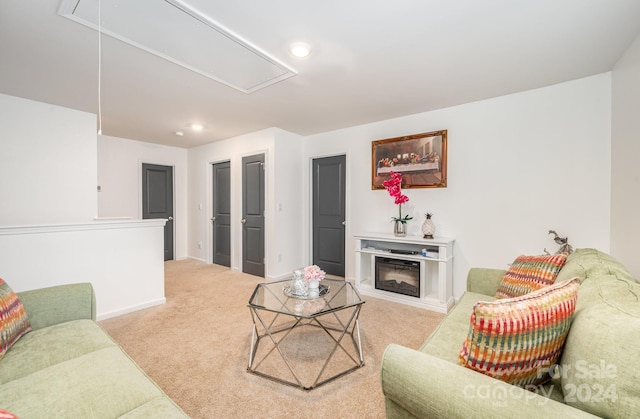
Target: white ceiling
<point>371,60</point>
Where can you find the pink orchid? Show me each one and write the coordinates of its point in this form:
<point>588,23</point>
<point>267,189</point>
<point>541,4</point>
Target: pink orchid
<point>394,188</point>
<point>401,199</point>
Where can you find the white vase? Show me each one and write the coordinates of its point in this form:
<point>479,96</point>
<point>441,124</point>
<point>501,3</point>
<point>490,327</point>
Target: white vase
<point>314,288</point>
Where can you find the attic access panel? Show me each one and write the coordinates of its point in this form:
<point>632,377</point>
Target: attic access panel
<point>173,30</point>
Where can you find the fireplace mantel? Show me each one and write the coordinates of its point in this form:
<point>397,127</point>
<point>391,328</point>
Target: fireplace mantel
<point>436,268</point>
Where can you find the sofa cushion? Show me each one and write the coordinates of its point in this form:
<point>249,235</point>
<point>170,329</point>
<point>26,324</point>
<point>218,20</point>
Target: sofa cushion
<point>517,339</point>
<point>100,384</point>
<point>573,267</point>
<point>52,345</point>
<point>13,318</point>
<point>444,342</point>
<point>599,367</point>
<point>530,273</point>
<point>162,407</point>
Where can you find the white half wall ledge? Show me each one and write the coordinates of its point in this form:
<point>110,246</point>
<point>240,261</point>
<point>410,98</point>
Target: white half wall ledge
<point>98,224</point>
<point>123,260</point>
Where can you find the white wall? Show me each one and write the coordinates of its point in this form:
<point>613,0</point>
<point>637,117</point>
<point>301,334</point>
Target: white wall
<point>283,199</point>
<point>625,150</point>
<point>518,166</point>
<point>120,179</point>
<point>286,250</point>
<point>47,163</point>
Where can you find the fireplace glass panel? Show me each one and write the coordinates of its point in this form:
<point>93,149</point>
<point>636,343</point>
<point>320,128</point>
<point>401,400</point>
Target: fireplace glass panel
<point>399,276</point>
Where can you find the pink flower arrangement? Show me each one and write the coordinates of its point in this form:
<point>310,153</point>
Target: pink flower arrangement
<point>394,187</point>
<point>313,272</point>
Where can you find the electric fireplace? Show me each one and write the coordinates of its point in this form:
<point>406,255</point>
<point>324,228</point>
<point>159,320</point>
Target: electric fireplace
<point>398,275</point>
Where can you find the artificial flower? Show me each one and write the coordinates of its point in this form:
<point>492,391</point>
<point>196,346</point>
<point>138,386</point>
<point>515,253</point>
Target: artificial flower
<point>313,272</point>
<point>394,188</point>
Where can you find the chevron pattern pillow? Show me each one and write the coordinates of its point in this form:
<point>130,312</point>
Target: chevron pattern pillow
<point>13,318</point>
<point>516,340</point>
<point>530,273</point>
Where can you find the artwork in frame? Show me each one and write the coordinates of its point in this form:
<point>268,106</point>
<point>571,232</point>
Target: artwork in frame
<point>421,158</point>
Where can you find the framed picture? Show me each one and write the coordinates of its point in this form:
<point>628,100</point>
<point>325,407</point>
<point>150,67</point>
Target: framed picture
<point>421,158</point>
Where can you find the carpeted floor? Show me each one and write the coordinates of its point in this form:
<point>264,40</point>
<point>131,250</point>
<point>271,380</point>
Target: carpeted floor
<point>196,347</point>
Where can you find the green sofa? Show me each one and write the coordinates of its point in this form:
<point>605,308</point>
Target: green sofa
<point>68,367</point>
<point>598,375</point>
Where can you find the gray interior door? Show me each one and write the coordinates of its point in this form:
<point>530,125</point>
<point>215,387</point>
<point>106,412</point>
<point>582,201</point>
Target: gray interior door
<point>329,214</point>
<point>221,217</point>
<point>253,215</point>
<point>157,200</point>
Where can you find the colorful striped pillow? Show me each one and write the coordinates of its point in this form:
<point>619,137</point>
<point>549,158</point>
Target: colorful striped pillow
<point>516,340</point>
<point>530,273</point>
<point>13,318</point>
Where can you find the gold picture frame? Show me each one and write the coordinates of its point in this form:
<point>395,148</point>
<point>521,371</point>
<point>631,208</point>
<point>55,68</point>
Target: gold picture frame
<point>421,158</point>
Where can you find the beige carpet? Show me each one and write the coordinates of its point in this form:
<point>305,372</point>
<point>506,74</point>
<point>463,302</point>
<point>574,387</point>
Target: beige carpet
<point>196,347</point>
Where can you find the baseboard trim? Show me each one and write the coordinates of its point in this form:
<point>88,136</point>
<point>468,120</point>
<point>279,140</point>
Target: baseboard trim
<point>130,309</point>
<point>281,277</point>
<point>197,259</point>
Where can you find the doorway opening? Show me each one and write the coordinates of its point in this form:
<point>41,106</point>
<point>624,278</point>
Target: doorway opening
<point>157,200</point>
<point>329,214</point>
<point>221,213</point>
<point>253,205</point>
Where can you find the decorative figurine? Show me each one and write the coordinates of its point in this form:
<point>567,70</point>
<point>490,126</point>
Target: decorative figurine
<point>428,227</point>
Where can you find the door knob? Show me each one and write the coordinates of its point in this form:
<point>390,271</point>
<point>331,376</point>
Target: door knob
<point>243,221</point>
<point>213,218</point>
<point>344,223</point>
<point>170,218</point>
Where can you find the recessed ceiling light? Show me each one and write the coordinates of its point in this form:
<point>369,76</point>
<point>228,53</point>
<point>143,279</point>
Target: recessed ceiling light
<point>197,127</point>
<point>300,49</point>
<point>179,133</point>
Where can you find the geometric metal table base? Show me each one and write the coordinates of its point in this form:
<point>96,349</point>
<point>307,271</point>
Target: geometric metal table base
<point>283,333</point>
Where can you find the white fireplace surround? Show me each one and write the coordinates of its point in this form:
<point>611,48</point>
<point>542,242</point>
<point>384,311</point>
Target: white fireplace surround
<point>436,273</point>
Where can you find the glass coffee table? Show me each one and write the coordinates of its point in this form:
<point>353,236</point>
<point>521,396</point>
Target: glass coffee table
<point>300,341</point>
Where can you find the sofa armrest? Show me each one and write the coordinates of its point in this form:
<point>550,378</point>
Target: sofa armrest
<point>484,280</point>
<point>423,386</point>
<point>59,304</point>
